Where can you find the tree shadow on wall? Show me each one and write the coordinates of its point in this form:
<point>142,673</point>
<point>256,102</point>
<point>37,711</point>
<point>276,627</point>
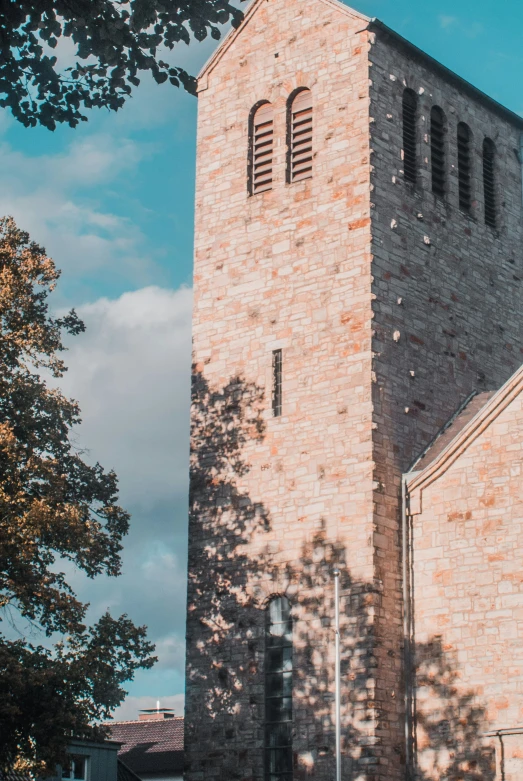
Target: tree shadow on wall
<point>449,721</point>
<point>236,562</point>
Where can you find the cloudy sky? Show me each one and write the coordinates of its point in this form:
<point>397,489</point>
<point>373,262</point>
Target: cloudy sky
<point>112,203</point>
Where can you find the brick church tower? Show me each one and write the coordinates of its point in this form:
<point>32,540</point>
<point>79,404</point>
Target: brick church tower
<point>358,267</point>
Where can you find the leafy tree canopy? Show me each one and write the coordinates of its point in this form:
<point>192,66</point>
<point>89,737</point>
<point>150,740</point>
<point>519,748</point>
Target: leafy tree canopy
<point>53,507</point>
<point>115,40</point>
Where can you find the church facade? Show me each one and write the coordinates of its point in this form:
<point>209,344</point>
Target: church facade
<point>358,267</point>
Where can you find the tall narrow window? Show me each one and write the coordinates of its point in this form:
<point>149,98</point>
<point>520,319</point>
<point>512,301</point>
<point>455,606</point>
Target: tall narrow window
<point>260,175</point>
<point>300,137</point>
<point>464,167</point>
<point>489,184</point>
<point>278,691</point>
<point>276,383</point>
<point>410,107</point>
<point>437,151</point>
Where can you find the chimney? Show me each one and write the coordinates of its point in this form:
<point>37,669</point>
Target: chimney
<point>153,714</point>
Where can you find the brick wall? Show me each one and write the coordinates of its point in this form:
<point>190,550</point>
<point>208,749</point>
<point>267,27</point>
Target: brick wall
<point>389,309</point>
<point>468,606</point>
<point>447,301</point>
<point>289,269</point>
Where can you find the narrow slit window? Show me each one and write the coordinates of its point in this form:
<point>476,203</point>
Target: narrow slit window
<point>410,109</point>
<point>278,691</point>
<point>489,182</point>
<point>276,383</point>
<point>437,150</point>
<point>300,137</point>
<point>464,167</point>
<point>262,144</point>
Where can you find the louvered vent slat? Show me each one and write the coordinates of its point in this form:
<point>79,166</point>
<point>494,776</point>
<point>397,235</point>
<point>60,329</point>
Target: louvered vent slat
<point>489,188</point>
<point>300,157</point>
<point>410,104</point>
<point>262,149</point>
<point>464,167</point>
<point>437,144</point>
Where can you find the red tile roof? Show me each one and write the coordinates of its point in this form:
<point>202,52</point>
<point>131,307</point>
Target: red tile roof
<point>151,745</point>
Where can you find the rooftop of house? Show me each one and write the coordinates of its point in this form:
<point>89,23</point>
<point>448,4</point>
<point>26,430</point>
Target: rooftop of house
<point>473,418</point>
<point>150,745</point>
<point>452,428</point>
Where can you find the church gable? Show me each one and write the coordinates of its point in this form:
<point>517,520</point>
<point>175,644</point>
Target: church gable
<point>287,21</point>
<point>465,552</point>
<point>476,420</point>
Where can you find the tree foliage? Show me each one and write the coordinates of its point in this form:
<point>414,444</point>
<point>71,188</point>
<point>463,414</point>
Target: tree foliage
<point>115,41</point>
<point>54,507</point>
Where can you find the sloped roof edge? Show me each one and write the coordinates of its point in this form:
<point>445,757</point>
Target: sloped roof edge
<point>233,33</point>
<point>417,481</point>
<point>448,74</point>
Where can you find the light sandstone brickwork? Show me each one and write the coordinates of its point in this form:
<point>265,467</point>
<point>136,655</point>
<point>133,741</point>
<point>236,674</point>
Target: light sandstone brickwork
<point>330,270</point>
<point>467,536</point>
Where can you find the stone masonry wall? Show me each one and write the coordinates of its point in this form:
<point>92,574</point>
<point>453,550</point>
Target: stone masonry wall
<point>389,308</point>
<point>277,502</point>
<point>447,303</point>
<point>468,605</point>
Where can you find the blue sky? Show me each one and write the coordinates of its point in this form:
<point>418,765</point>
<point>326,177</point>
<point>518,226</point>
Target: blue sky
<point>112,202</point>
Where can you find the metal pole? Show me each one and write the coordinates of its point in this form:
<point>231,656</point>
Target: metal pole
<point>336,574</point>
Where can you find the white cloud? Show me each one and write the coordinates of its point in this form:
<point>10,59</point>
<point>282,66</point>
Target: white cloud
<point>447,21</point>
<point>130,372</point>
<point>469,28</point>
<point>57,199</point>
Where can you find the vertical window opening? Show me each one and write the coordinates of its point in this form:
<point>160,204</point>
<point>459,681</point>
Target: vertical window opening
<point>300,137</point>
<point>75,768</point>
<point>410,105</point>
<point>437,148</point>
<point>489,185</point>
<point>278,691</point>
<point>464,167</point>
<point>276,383</point>
<point>262,138</point>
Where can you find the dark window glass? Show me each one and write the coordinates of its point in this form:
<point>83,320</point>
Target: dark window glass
<point>464,167</point>
<point>278,691</point>
<point>276,383</point>
<point>410,107</point>
<point>437,149</point>
<point>75,768</point>
<point>489,184</point>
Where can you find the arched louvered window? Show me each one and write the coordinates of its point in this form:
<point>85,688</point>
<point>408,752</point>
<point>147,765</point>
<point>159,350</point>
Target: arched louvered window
<point>299,163</point>
<point>278,691</point>
<point>410,110</point>
<point>261,149</point>
<point>464,167</point>
<point>489,182</point>
<point>437,151</point>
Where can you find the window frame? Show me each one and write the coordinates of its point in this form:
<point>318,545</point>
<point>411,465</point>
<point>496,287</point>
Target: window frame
<point>71,771</point>
<point>465,200</point>
<point>410,146</point>
<point>252,187</point>
<point>291,176</point>
<point>490,209</point>
<point>278,729</point>
<point>277,383</point>
<point>438,148</point>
